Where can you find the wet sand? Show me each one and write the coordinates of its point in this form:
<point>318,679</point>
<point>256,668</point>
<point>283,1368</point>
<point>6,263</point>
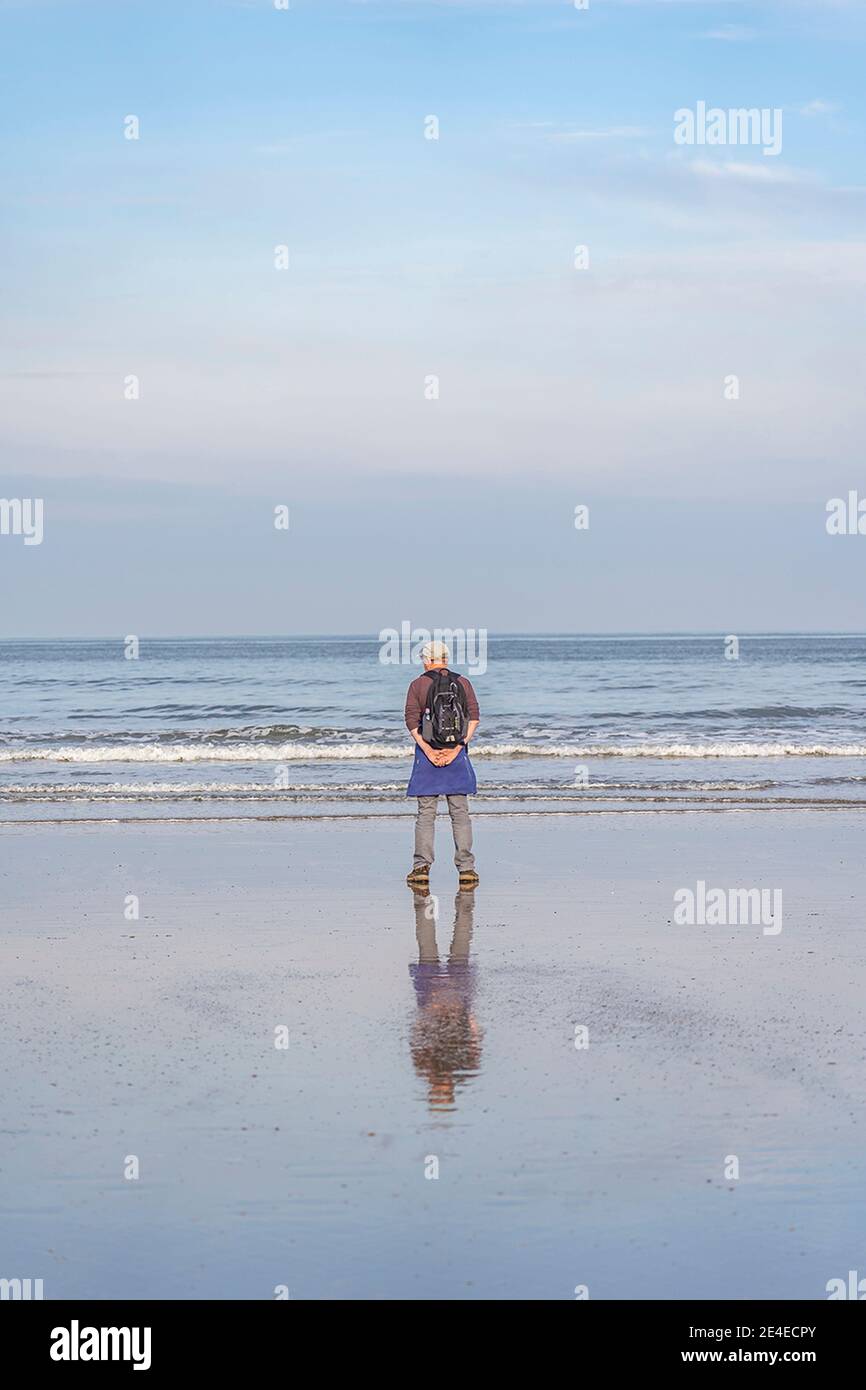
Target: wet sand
<point>415,1044</point>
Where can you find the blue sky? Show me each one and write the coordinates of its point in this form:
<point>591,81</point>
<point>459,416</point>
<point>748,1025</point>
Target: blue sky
<point>411,257</point>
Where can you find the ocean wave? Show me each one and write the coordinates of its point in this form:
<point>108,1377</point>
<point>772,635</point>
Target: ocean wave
<point>367,752</point>
<point>206,753</point>
<point>552,788</point>
<point>264,733</point>
<point>203,791</point>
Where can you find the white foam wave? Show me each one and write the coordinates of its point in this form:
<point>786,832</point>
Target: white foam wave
<point>206,753</point>
<point>191,789</point>
<point>365,752</point>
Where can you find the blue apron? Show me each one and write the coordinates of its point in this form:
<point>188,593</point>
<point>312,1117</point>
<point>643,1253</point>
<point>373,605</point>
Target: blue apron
<point>457,779</point>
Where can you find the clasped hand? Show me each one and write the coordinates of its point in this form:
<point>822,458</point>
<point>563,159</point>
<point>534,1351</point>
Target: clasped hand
<point>441,757</point>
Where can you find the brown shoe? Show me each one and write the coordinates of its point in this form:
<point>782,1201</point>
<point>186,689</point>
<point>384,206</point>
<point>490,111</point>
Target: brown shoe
<point>419,877</point>
<point>469,878</point>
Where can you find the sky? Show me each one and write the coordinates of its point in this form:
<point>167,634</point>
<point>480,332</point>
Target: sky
<point>437,378</point>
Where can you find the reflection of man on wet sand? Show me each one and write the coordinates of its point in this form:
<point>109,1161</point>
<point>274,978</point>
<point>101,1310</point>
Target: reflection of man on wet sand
<point>446,1039</point>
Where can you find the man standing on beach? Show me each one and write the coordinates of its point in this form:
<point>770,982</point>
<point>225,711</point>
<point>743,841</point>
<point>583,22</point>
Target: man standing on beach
<point>441,715</point>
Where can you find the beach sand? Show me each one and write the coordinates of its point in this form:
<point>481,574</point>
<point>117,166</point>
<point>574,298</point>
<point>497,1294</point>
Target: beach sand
<point>306,1166</point>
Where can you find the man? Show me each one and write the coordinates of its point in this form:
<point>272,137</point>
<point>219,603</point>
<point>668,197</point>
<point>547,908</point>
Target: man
<point>441,771</point>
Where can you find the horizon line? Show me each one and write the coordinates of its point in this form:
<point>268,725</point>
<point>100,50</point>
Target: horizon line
<point>367,636</point>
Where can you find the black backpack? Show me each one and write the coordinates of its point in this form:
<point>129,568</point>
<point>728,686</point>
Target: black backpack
<point>445,720</point>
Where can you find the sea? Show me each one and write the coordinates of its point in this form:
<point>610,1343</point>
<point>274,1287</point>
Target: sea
<point>204,727</point>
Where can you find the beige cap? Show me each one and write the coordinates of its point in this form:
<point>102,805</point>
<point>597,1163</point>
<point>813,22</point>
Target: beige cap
<point>434,651</point>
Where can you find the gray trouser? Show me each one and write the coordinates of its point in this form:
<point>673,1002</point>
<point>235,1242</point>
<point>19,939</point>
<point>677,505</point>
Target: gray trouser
<point>425,824</point>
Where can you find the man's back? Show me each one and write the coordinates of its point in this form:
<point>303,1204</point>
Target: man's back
<point>418,694</point>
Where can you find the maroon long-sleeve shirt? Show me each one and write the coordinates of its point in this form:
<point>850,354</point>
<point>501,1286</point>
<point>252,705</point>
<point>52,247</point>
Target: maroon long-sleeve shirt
<point>416,701</point>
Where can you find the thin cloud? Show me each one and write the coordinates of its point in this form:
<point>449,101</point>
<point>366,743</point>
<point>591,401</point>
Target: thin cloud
<point>819,107</point>
<point>615,132</point>
<point>730,33</point>
<point>51,374</point>
<point>750,173</point>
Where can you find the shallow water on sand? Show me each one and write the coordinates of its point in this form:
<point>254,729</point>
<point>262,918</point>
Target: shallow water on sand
<point>432,1035</point>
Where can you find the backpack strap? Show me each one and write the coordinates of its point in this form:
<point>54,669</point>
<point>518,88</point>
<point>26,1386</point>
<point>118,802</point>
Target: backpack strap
<point>426,725</point>
<point>453,679</point>
<point>440,671</point>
